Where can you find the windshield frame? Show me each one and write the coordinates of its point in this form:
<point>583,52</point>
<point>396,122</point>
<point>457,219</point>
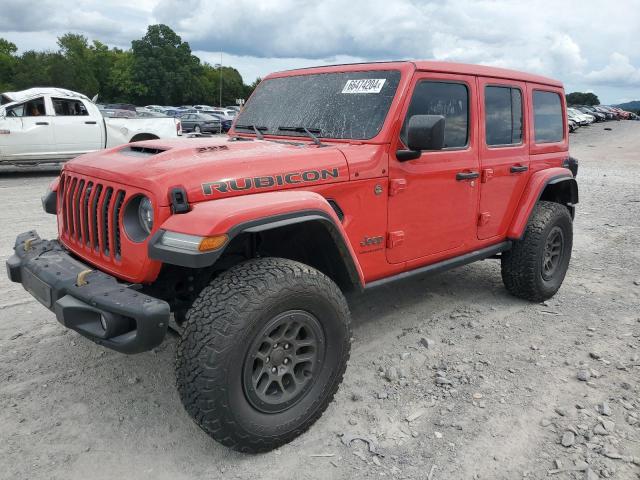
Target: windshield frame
<point>406,70</point>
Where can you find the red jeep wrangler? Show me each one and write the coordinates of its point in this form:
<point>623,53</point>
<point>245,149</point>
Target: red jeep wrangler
<point>332,179</point>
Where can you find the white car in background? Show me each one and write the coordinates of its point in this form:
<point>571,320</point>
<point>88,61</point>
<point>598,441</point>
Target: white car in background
<point>52,125</point>
<point>584,118</point>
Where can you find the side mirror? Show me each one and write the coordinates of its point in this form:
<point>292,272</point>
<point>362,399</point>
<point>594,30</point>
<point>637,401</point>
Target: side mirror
<point>424,132</point>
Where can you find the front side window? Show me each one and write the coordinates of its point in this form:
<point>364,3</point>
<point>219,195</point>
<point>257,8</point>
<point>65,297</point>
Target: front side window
<point>451,100</point>
<point>503,115</point>
<point>32,108</point>
<point>344,105</point>
<point>547,117</point>
<point>66,107</point>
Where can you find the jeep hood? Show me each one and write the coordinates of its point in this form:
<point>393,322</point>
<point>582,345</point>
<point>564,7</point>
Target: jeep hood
<point>209,168</point>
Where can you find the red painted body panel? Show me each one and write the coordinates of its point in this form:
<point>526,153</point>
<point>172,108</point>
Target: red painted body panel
<point>433,196</point>
<point>416,211</point>
<point>500,189</point>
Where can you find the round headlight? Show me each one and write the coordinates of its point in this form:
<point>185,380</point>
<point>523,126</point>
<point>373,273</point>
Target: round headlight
<point>145,214</point>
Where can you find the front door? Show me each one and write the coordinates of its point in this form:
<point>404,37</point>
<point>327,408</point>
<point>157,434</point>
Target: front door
<point>504,153</point>
<point>26,132</point>
<point>433,199</point>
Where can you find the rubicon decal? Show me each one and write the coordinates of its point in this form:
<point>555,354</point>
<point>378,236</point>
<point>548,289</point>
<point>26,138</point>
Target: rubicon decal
<point>251,183</point>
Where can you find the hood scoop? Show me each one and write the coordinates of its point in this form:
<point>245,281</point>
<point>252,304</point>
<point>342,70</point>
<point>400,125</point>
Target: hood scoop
<point>141,151</point>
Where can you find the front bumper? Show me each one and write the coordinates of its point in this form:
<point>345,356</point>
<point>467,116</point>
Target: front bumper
<point>98,306</point>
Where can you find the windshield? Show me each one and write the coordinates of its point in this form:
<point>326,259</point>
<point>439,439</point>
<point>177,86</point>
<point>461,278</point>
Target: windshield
<point>333,105</point>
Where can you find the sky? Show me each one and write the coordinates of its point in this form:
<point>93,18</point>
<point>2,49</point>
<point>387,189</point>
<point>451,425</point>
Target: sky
<point>590,45</point>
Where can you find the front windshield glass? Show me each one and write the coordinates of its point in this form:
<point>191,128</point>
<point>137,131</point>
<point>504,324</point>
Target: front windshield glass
<point>332,105</point>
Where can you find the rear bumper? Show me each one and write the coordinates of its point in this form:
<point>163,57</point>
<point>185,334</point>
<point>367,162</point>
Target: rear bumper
<point>108,312</point>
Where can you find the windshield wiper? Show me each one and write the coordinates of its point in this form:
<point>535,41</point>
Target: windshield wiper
<point>309,131</point>
<point>255,128</point>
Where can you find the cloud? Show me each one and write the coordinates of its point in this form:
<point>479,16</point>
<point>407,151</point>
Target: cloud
<point>618,71</point>
<point>570,40</point>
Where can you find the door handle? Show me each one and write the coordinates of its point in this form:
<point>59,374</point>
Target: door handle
<point>42,123</point>
<point>518,168</point>
<point>90,123</point>
<point>467,175</point>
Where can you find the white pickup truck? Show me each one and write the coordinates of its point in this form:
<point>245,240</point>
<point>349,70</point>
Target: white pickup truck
<point>52,125</point>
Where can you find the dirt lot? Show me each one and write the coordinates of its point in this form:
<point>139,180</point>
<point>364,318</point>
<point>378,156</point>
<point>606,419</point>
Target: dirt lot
<point>508,403</point>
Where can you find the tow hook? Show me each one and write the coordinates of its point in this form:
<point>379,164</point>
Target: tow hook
<point>81,279</point>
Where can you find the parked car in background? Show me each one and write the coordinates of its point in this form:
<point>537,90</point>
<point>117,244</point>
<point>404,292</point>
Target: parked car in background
<point>200,123</point>
<point>233,107</point>
<point>224,121</point>
<point>599,117</point>
<point>52,125</point>
<point>621,113</point>
<point>582,118</point>
<point>573,126</point>
<point>608,115</point>
<point>573,115</point>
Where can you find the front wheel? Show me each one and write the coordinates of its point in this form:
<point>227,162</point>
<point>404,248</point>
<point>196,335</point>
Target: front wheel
<point>537,264</point>
<point>263,351</point>
<point>196,129</point>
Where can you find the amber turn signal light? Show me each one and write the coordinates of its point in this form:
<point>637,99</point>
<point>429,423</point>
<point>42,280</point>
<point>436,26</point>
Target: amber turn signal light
<point>212,243</point>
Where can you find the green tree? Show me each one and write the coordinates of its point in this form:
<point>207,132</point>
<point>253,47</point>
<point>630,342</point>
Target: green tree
<point>159,68</point>
<point>75,70</point>
<point>122,84</point>
<point>7,64</point>
<point>33,70</point>
<point>164,65</point>
<point>582,98</point>
<point>215,77</point>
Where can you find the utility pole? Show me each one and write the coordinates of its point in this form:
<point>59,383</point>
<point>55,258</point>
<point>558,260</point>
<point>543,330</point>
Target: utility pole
<point>220,97</point>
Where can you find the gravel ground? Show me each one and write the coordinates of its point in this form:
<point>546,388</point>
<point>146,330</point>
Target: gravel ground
<point>450,377</point>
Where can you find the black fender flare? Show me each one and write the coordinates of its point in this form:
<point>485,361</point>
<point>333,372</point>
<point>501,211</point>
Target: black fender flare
<point>175,256</point>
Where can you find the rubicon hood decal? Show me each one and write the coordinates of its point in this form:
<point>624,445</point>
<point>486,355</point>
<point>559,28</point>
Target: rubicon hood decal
<point>268,181</point>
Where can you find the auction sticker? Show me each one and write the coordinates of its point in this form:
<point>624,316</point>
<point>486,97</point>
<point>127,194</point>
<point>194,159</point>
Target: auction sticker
<point>364,85</point>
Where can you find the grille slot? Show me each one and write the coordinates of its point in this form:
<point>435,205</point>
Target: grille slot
<point>91,216</point>
<point>76,212</point>
<point>94,216</point>
<point>70,195</point>
<point>105,220</point>
<point>85,213</point>
<point>117,206</point>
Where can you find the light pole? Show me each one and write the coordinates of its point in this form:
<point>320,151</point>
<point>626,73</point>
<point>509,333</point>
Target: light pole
<point>220,93</point>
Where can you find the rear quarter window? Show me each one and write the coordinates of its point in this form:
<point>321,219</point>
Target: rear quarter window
<point>547,117</point>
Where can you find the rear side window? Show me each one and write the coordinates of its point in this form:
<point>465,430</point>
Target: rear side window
<point>547,117</point>
<point>450,100</point>
<point>503,115</point>
<point>67,108</point>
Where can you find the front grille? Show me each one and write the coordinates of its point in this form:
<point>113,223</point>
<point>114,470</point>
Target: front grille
<point>91,214</point>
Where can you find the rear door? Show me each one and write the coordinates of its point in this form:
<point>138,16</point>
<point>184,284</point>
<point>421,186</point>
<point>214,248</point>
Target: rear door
<point>504,153</point>
<point>75,131</point>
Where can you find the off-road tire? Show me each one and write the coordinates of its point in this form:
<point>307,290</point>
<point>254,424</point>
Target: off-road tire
<point>225,320</point>
<point>523,270</point>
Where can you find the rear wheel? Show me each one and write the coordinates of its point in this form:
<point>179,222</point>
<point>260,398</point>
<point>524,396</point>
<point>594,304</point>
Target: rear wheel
<point>536,265</point>
<point>263,352</point>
